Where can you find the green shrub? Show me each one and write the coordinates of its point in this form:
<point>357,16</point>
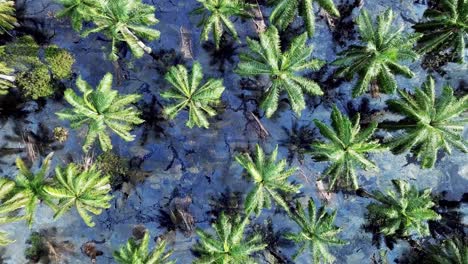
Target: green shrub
<point>36,83</point>
<point>60,62</point>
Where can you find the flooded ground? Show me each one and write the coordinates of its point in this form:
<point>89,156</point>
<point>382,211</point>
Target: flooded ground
<point>171,164</point>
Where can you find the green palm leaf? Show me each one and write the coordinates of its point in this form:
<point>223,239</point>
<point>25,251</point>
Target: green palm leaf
<point>100,109</point>
<point>283,68</point>
<point>377,60</point>
<point>137,253</point>
<point>187,92</point>
<point>270,179</point>
<point>431,123</point>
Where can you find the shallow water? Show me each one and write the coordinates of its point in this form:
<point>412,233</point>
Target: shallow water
<point>199,163</point>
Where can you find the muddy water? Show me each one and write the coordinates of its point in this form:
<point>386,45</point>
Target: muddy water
<point>170,160</point>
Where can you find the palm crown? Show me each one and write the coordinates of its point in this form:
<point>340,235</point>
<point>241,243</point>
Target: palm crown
<point>7,15</point>
<point>6,189</point>
<point>189,93</point>
<point>216,17</point>
<point>267,58</point>
<point>100,109</point>
<point>27,193</point>
<point>445,28</point>
<point>87,190</point>
<point>270,178</point>
<point>228,245</point>
<point>120,20</point>
<point>346,148</point>
<point>317,232</point>
<point>378,61</point>
<point>284,12</point>
<point>402,211</point>
<point>137,253</point>
<point>430,122</point>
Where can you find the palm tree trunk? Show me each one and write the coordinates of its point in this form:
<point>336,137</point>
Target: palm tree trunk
<point>8,77</point>
<point>138,41</point>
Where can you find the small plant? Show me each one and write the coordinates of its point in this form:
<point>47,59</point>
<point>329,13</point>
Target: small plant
<point>270,179</point>
<point>216,17</point>
<point>445,28</point>
<point>229,244</point>
<point>347,148</point>
<point>430,123</point>
<point>450,251</point>
<point>135,253</point>
<point>27,193</point>
<point>126,21</point>
<point>7,15</point>
<point>113,165</point>
<point>60,134</point>
<point>403,211</point>
<point>101,108</point>
<point>189,93</point>
<point>284,12</point>
<point>86,190</point>
<point>267,58</point>
<point>317,232</point>
<point>377,61</point>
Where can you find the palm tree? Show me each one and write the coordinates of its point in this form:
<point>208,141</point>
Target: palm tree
<point>267,58</point>
<point>228,245</point>
<point>317,232</point>
<point>78,11</point>
<point>121,20</point>
<point>6,78</point>
<point>430,122</point>
<point>86,190</point>
<point>100,109</point>
<point>284,12</point>
<point>347,148</point>
<point>187,92</point>
<point>270,179</point>
<point>137,253</point>
<point>377,61</point>
<point>6,189</point>
<point>445,28</point>
<point>7,15</point>
<point>450,251</point>
<point>402,211</point>
<point>27,193</point>
<point>216,17</point>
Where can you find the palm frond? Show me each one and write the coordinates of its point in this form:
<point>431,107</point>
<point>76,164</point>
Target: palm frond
<point>137,252</point>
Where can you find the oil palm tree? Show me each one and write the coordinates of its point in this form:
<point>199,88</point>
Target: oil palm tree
<point>317,232</point>
<point>78,11</point>
<point>270,179</point>
<point>27,193</point>
<point>449,251</point>
<point>86,190</point>
<point>6,189</point>
<point>101,108</point>
<point>283,68</point>
<point>403,211</point>
<point>347,148</point>
<point>6,78</point>
<point>137,253</point>
<point>228,245</point>
<point>189,93</point>
<point>445,28</point>
<point>125,21</point>
<point>7,15</point>
<point>285,11</point>
<point>217,17</point>
<point>430,122</point>
<point>377,61</point>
